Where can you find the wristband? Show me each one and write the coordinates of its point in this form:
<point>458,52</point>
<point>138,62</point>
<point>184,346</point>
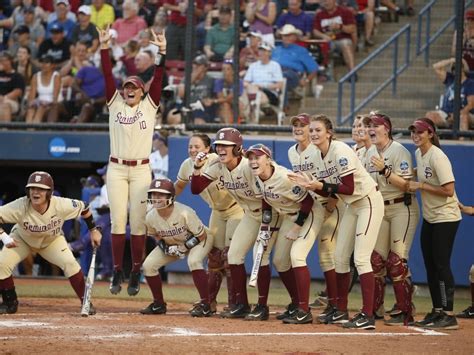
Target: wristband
<point>302,216</point>
<point>197,167</point>
<point>384,170</point>
<point>90,223</point>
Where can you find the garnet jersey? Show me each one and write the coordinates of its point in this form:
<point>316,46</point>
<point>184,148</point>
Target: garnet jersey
<point>36,229</point>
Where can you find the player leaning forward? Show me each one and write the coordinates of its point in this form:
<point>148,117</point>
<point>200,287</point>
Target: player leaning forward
<point>180,233</point>
<point>38,219</point>
<point>131,125</point>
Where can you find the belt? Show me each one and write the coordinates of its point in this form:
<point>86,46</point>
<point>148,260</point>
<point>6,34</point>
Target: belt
<point>129,162</point>
<point>394,201</point>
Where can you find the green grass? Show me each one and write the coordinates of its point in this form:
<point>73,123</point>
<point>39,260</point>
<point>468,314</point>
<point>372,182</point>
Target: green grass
<point>188,294</point>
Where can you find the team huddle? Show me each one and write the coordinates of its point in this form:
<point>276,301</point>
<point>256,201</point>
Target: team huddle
<point>358,202</point>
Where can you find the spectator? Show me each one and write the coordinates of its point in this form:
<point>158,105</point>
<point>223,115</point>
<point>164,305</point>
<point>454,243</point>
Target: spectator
<point>353,7</point>
<point>159,157</point>
<point>144,42</point>
<point>24,65</point>
<point>130,25</point>
<point>79,59</point>
<point>12,87</point>
<point>128,59</point>
<point>220,38</point>
<point>367,14</point>
<point>261,15</point>
<point>17,17</point>
<point>23,39</point>
<point>102,14</point>
<point>61,17</point>
<point>176,30</point>
<point>144,62</point>
<point>224,92</point>
<point>85,31</point>
<point>296,17</point>
<point>298,66</point>
<point>117,53</point>
<point>336,25</point>
<point>57,46</point>
<point>147,11</point>
<point>249,54</point>
<point>161,21</point>
<point>202,89</point>
<point>264,76</point>
<point>444,116</point>
<point>34,25</point>
<point>45,95</point>
<point>467,41</point>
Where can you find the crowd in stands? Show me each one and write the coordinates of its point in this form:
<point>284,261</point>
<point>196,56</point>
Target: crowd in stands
<point>40,38</point>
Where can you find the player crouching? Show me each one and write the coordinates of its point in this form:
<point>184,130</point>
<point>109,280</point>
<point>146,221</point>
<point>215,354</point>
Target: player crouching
<point>38,219</point>
<point>180,232</point>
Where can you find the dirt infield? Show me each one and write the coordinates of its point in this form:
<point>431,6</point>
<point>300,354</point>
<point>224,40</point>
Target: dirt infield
<point>44,325</point>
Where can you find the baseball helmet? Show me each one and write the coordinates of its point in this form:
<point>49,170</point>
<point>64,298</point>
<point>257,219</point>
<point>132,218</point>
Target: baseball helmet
<point>164,186</point>
<point>230,136</point>
<point>41,180</point>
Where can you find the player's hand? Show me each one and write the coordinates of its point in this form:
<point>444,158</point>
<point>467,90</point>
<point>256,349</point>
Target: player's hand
<point>413,186</point>
<point>305,181</point>
<point>200,159</point>
<point>104,37</point>
<point>466,209</point>
<point>8,241</point>
<point>174,250</point>
<point>264,238</point>
<point>378,162</point>
<point>293,233</point>
<point>159,39</point>
<point>96,237</point>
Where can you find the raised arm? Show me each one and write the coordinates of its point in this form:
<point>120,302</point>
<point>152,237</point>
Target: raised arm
<point>158,40</point>
<point>104,39</point>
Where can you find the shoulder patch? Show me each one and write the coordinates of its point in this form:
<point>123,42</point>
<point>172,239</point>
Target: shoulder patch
<point>74,203</point>
<point>343,162</point>
<point>404,166</point>
<point>296,190</point>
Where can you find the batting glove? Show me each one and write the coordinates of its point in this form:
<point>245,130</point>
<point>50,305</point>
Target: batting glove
<point>8,241</point>
<point>173,250</point>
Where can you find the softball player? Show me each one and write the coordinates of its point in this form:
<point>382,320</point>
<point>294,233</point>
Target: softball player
<point>340,172</point>
<point>390,165</point>
<point>469,311</point>
<point>232,169</point>
<point>225,216</point>
<point>441,218</point>
<point>302,156</point>
<point>180,232</point>
<point>38,219</point>
<point>301,219</point>
<point>358,143</point>
<point>131,125</point>
<point>363,125</point>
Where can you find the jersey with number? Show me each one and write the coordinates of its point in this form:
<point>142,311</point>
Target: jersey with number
<point>397,158</point>
<point>131,128</point>
<point>435,169</point>
<point>177,228</point>
<point>304,162</point>
<point>240,183</point>
<point>280,193</point>
<point>214,194</point>
<point>36,229</point>
<point>341,161</point>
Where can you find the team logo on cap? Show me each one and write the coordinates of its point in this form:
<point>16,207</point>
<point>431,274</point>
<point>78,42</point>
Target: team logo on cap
<point>37,178</point>
<point>221,135</point>
<point>157,183</point>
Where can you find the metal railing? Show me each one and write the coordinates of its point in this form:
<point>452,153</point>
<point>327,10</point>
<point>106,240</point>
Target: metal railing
<point>395,71</point>
<point>423,43</point>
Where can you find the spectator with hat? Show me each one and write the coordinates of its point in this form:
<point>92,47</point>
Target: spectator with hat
<point>264,76</point>
<point>32,22</point>
<point>62,18</point>
<point>85,31</point>
<point>249,54</point>
<point>130,25</point>
<point>220,37</point>
<point>159,157</point>
<point>336,25</point>
<point>102,14</point>
<point>12,87</point>
<point>23,38</point>
<point>296,17</point>
<point>57,46</point>
<point>298,65</point>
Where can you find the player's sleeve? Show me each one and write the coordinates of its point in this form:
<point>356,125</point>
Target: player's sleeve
<point>184,173</point>
<point>443,168</point>
<point>68,208</point>
<point>345,160</point>
<point>194,224</point>
<point>150,230</point>
<point>12,212</point>
<point>403,164</point>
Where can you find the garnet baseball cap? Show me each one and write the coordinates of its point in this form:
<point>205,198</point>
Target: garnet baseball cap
<point>421,126</point>
<point>302,117</point>
<point>259,150</point>
<point>135,80</point>
<point>381,120</point>
<point>469,14</point>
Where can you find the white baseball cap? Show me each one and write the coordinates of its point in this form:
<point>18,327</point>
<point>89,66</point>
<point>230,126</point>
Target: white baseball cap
<point>85,9</point>
<point>265,46</point>
<point>289,29</point>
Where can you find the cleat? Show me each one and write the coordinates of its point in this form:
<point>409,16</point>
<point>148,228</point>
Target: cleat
<point>116,284</point>
<point>443,321</point>
<point>400,319</point>
<point>154,308</point>
<point>429,318</point>
<point>240,310</point>
<point>337,317</point>
<point>360,321</point>
<point>201,310</point>
<point>290,311</point>
<point>92,310</point>
<point>301,317</point>
<point>10,302</point>
<point>259,313</point>
<point>323,317</point>
<point>133,283</point>
<point>467,313</point>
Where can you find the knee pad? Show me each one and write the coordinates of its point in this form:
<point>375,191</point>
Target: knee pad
<point>378,264</point>
<point>215,262</point>
<point>397,267</point>
<point>471,274</point>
